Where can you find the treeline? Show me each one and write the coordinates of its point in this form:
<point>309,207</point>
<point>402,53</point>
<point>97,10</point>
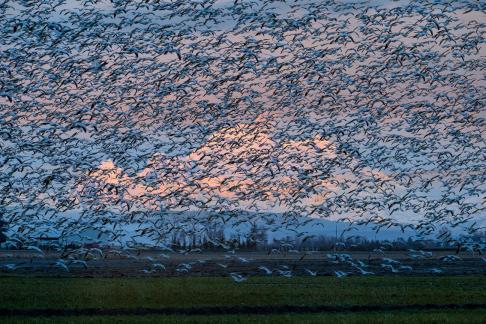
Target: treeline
<point>256,239</point>
<point>213,237</point>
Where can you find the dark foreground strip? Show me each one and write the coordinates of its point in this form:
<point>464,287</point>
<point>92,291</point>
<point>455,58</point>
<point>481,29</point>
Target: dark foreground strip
<point>233,310</point>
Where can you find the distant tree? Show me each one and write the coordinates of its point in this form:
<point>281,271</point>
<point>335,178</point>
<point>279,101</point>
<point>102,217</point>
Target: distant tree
<point>257,237</point>
<point>445,235</point>
<point>213,235</point>
<point>3,229</point>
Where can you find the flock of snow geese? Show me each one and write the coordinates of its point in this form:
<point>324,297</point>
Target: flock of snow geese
<point>116,115</point>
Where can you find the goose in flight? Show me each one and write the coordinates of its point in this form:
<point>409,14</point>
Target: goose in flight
<point>35,249</point>
<point>311,273</point>
<point>61,264</point>
<point>340,274</point>
<point>266,270</point>
<point>238,278</point>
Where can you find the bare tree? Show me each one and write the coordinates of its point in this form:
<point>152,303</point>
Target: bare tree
<point>3,229</point>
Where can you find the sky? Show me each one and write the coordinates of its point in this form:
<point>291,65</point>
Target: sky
<point>251,117</point>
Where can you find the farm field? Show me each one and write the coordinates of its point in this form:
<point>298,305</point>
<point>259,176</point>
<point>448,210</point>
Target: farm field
<point>386,299</point>
<point>375,317</point>
<point>209,264</point>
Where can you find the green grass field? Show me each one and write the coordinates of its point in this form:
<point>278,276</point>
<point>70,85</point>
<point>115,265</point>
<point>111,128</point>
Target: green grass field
<point>130,293</point>
<point>438,317</point>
